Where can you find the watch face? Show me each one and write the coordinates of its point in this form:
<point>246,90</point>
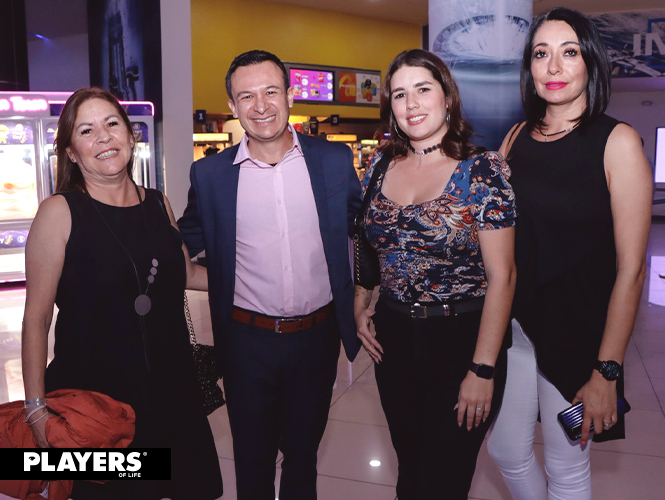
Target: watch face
<point>485,371</point>
<point>611,370</point>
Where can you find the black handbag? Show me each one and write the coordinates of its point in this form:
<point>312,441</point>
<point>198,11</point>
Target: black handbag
<point>366,271</point>
<point>206,369</point>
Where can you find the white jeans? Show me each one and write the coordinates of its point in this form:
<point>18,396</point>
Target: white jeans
<point>510,443</point>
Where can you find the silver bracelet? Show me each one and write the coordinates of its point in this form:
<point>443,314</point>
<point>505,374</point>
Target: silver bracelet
<point>31,403</point>
<point>30,414</point>
<point>37,419</point>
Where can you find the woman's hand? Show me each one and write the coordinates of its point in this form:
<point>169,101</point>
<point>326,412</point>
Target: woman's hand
<point>39,427</point>
<point>475,400</point>
<point>599,397</point>
<point>363,316</point>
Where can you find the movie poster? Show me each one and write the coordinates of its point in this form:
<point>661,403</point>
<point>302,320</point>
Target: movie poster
<point>635,42</point>
<point>482,42</point>
<point>125,49</point>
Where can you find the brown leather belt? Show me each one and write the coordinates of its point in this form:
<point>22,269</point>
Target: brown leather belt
<point>283,325</point>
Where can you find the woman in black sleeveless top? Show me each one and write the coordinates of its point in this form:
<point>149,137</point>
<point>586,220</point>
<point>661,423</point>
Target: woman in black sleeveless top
<point>109,255</point>
<point>583,193</point>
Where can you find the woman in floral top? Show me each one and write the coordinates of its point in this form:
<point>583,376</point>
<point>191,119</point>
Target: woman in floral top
<point>441,219</point>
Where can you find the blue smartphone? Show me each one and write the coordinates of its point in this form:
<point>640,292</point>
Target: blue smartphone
<point>571,418</point>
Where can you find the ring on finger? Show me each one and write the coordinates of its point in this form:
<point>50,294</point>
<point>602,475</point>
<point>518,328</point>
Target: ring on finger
<point>607,425</point>
<point>479,409</point>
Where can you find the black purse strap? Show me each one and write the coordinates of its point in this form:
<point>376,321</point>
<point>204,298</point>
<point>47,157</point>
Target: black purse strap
<point>379,169</point>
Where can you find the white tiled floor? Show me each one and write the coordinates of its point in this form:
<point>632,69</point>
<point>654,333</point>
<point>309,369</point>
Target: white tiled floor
<point>632,469</point>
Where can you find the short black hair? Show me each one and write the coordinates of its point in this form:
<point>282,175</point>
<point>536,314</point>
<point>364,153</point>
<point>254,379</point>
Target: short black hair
<point>254,57</point>
<point>594,53</point>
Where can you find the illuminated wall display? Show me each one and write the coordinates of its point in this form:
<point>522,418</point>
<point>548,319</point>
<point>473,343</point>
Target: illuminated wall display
<point>20,104</point>
<point>660,155</point>
<point>314,84</point>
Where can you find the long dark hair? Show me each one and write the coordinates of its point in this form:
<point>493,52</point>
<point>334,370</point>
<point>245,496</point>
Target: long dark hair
<point>592,48</point>
<point>455,143</point>
<point>69,174</point>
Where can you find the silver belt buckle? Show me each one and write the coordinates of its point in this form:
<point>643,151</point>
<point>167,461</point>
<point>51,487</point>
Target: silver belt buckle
<point>418,311</point>
<point>278,322</point>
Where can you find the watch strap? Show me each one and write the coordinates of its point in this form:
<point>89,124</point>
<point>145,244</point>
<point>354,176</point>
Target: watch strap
<point>483,371</point>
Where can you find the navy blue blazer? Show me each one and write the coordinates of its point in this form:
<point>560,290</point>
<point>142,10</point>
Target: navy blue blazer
<point>209,223</point>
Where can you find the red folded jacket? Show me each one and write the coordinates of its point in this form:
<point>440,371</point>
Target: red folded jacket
<point>86,419</point>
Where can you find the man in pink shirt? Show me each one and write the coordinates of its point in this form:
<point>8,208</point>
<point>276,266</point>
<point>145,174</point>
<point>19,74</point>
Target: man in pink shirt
<point>274,214</point>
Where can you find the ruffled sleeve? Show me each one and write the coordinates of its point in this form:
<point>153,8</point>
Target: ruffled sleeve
<point>491,196</point>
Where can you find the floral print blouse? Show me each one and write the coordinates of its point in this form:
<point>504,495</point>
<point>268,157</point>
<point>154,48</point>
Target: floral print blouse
<point>429,252</point>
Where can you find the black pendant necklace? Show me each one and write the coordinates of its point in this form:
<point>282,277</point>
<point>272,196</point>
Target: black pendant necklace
<point>547,136</point>
<point>424,152</point>
<point>142,304</point>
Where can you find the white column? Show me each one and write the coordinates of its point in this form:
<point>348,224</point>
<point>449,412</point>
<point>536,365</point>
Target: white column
<point>177,99</point>
<point>482,41</point>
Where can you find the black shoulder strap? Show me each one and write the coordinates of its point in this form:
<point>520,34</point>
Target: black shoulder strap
<point>379,169</point>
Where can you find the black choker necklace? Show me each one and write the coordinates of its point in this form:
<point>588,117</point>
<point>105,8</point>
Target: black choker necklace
<point>424,152</point>
<point>547,136</point>
<point>142,304</point>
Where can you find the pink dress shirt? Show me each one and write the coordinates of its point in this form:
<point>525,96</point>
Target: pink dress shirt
<point>281,267</point>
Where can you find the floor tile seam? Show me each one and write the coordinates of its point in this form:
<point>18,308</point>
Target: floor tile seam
<point>619,452</point>
<point>660,403</point>
<point>595,449</point>
<point>356,480</point>
<point>330,419</point>
<point>363,372</point>
<point>333,403</point>
<point>646,330</point>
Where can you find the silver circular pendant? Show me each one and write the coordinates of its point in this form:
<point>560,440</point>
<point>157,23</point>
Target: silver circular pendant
<point>142,304</point>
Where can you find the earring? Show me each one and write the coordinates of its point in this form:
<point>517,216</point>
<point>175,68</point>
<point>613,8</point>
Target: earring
<point>398,134</point>
<point>448,117</point>
<point>393,120</point>
<point>73,161</point>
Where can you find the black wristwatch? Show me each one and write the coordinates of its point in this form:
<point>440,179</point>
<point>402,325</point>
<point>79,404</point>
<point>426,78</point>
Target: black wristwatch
<point>610,370</point>
<point>483,371</point>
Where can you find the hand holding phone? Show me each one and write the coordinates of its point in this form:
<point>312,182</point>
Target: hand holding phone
<point>571,418</point>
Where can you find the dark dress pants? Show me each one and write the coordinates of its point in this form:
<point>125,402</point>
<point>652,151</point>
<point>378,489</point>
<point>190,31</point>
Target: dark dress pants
<point>278,390</point>
<point>424,363</point>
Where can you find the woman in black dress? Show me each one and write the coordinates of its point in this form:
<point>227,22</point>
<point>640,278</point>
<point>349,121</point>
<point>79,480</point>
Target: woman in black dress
<point>583,190</point>
<point>109,255</point>
<point>441,218</point>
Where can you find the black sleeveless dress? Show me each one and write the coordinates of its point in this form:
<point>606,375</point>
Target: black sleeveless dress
<point>100,344</point>
<point>565,252</point>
